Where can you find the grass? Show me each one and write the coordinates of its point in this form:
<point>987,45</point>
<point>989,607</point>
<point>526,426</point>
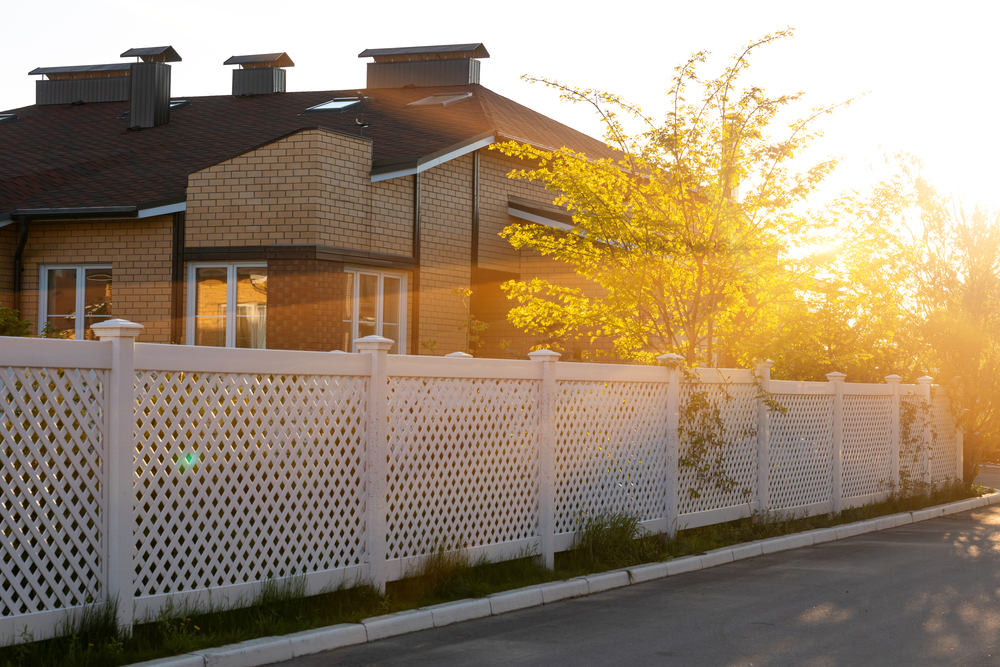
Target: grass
<point>605,542</point>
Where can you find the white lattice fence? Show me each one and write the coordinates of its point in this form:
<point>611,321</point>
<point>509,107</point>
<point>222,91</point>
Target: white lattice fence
<point>462,465</point>
<point>866,464</point>
<point>944,460</point>
<point>610,450</point>
<point>241,478</point>
<point>52,467</point>
<point>737,403</point>
<point>801,451</point>
<point>913,458</point>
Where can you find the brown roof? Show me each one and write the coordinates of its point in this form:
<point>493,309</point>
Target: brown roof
<point>65,156</point>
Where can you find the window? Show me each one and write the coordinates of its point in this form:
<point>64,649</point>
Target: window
<point>440,100</point>
<point>73,298</point>
<point>227,305</point>
<point>375,304</point>
<point>336,104</point>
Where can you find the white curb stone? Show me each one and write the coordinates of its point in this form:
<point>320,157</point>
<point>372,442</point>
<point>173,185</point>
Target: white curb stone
<point>605,581</point>
<point>458,611</point>
<point>716,557</point>
<point>390,625</point>
<point>522,598</point>
<point>798,540</point>
<point>183,660</point>
<point>648,572</point>
<point>682,565</point>
<point>251,653</point>
<point>774,545</point>
<point>824,535</point>
<point>562,590</point>
<point>327,639</point>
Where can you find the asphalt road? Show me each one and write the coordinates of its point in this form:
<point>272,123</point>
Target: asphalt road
<point>923,594</point>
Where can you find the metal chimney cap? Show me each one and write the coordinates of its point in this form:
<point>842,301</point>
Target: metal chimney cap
<point>261,60</point>
<point>472,50</point>
<point>81,69</point>
<point>154,54</point>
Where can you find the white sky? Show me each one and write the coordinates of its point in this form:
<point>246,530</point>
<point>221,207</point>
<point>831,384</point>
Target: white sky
<point>930,66</point>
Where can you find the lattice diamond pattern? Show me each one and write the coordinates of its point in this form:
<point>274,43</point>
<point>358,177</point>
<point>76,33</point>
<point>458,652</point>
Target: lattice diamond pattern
<point>463,463</point>
<point>739,416</point>
<point>245,477</point>
<point>801,444</point>
<point>52,466</point>
<point>865,465</point>
<point>943,454</point>
<point>911,457</point>
<point>610,450</point>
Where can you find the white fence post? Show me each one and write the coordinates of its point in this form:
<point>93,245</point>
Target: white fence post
<point>925,393</point>
<point>960,447</point>
<point>838,438</point>
<point>376,527</point>
<point>894,432</point>
<point>673,363</point>
<point>120,458</point>
<point>763,438</point>
<point>547,453</point>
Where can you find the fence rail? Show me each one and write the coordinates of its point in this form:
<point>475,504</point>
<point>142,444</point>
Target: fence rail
<point>160,474</point>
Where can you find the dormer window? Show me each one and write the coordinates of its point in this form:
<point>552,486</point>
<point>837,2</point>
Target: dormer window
<point>336,104</point>
<point>440,100</point>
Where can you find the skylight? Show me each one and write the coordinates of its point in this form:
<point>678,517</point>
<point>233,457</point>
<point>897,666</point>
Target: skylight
<point>336,104</point>
<point>8,117</point>
<point>440,100</point>
<point>174,104</point>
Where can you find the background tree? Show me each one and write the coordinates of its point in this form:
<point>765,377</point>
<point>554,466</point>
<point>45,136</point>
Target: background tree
<point>690,234</point>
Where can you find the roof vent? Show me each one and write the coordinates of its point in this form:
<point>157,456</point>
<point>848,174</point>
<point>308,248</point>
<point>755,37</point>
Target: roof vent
<point>261,74</point>
<point>150,89</point>
<point>82,83</point>
<point>445,65</point>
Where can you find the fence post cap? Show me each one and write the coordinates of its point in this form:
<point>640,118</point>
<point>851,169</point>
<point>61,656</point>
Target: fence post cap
<point>373,344</point>
<point>116,328</point>
<point>836,376</point>
<point>337,352</point>
<point>669,357</point>
<point>893,379</point>
<point>767,363</point>
<point>544,355</point>
<point>927,379</point>
<point>459,355</point>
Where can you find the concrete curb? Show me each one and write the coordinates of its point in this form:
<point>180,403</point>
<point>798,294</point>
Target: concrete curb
<point>270,650</point>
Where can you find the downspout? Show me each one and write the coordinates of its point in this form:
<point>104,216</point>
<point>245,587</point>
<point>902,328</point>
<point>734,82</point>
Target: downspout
<point>18,254</point>
<point>415,323</point>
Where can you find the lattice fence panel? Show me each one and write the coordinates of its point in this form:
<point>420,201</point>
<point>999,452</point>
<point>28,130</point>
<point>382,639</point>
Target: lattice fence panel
<point>943,454</point>
<point>610,450</point>
<point>246,477</point>
<point>801,443</point>
<point>866,447</point>
<point>52,424</point>
<point>738,406</point>
<point>913,442</point>
<point>463,463</point>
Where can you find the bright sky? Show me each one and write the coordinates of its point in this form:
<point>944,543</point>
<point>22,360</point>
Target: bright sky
<point>930,66</point>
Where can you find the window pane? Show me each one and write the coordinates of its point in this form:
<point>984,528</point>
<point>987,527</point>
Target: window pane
<point>97,292</point>
<point>391,331</point>
<point>251,307</point>
<point>210,306</point>
<point>390,301</point>
<point>210,331</point>
<point>63,327</point>
<point>367,305</point>
<point>62,293</point>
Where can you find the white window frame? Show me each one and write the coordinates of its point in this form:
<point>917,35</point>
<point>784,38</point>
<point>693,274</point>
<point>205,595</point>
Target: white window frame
<point>356,271</point>
<point>192,294</point>
<point>43,293</point>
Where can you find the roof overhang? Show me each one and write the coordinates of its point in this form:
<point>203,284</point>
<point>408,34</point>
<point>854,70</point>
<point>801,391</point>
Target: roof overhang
<point>383,170</point>
<point>542,214</point>
<point>147,210</point>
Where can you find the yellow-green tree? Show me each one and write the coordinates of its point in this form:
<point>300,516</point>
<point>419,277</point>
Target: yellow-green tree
<point>690,233</point>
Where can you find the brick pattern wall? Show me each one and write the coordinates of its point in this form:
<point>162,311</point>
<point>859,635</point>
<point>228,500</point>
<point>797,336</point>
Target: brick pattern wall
<point>139,252</point>
<point>446,252</point>
<point>305,303</point>
<point>8,244</point>
<point>392,217</point>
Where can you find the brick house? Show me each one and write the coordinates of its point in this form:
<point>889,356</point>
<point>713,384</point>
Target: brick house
<point>272,219</point>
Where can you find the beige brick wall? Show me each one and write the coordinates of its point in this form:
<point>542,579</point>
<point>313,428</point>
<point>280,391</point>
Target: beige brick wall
<point>139,252</point>
<point>310,188</point>
<point>445,251</point>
